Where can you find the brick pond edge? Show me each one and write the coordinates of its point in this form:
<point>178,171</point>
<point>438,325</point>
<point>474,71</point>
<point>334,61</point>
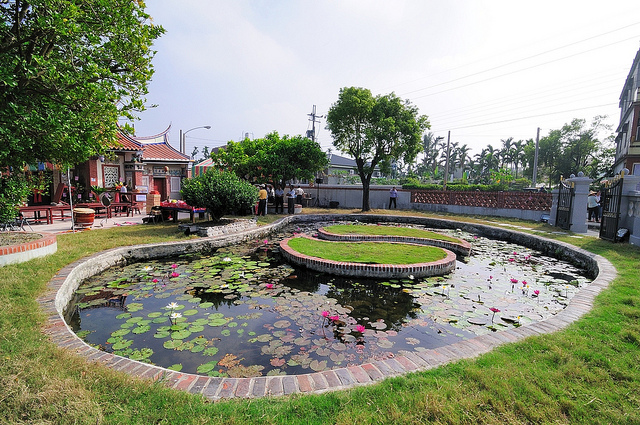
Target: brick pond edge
<point>376,271</point>
<point>62,286</point>
<point>15,254</point>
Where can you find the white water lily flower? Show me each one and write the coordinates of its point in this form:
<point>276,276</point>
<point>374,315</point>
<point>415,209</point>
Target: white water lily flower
<point>226,259</point>
<point>175,315</point>
<point>147,268</point>
<point>411,276</point>
<point>172,306</point>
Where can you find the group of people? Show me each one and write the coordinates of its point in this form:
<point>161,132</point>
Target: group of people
<point>267,194</point>
<point>594,208</point>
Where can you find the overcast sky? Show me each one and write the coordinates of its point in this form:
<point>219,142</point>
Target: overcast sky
<point>485,70</point>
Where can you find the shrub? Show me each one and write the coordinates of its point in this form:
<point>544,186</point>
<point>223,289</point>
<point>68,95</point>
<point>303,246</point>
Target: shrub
<point>221,192</point>
<point>14,189</point>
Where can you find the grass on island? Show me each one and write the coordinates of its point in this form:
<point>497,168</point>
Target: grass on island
<point>367,252</point>
<point>586,374</point>
<point>349,229</point>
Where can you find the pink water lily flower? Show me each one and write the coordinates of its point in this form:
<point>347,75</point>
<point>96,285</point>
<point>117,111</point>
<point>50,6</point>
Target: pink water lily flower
<point>512,259</point>
<point>536,292</point>
<point>266,241</point>
<point>325,313</point>
<point>514,280</point>
<point>269,285</point>
<point>524,283</point>
<point>360,328</point>
<point>335,318</point>
<point>155,280</point>
<point>175,274</point>
<point>174,266</point>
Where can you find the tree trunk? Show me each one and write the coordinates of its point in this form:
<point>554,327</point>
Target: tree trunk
<point>365,194</point>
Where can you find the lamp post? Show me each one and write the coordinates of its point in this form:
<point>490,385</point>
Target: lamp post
<point>183,137</point>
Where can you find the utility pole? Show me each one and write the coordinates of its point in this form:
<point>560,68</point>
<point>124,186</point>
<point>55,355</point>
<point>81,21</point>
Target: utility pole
<point>446,164</point>
<point>311,134</point>
<point>535,159</point>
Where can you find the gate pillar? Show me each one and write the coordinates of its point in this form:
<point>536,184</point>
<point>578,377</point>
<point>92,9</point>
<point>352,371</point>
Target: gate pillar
<point>630,208</point>
<point>579,211</point>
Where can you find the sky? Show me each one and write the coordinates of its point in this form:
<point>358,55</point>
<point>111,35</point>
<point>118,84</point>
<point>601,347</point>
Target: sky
<point>480,70</point>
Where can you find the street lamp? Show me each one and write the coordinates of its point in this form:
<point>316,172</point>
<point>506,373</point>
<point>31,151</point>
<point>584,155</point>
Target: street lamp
<point>183,137</point>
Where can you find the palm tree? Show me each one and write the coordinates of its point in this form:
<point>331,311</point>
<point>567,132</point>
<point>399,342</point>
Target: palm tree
<point>463,156</point>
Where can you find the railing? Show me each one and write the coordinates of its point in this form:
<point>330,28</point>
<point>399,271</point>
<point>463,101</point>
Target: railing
<point>533,201</point>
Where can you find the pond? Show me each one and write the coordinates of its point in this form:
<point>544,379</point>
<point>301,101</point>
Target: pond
<point>242,312</point>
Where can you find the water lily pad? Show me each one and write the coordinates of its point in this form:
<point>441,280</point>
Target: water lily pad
<point>206,305</point>
<point>161,334</point>
<point>182,334</point>
<point>141,329</point>
<point>172,344</point>
<point>282,324</point>
<point>318,366</point>
<point>189,312</point>
<point>177,367</point>
<point>206,367</point>
<point>217,322</point>
<point>120,332</point>
<point>211,351</point>
<point>123,343</point>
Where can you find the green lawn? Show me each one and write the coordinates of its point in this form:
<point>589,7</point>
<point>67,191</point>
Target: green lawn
<point>588,373</point>
<point>347,229</point>
<point>367,252</point>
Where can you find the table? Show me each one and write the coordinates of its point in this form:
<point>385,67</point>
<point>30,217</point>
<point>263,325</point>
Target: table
<point>166,211</point>
<point>37,211</point>
<point>100,209</point>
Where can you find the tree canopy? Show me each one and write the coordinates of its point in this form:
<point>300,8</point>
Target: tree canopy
<point>68,71</point>
<point>375,131</point>
<point>272,158</point>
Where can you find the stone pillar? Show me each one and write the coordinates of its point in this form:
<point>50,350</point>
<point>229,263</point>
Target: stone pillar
<point>554,207</point>
<point>630,208</point>
<point>579,205</point>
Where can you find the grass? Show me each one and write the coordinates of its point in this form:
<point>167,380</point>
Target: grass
<point>587,373</point>
<point>346,229</point>
<point>367,252</point>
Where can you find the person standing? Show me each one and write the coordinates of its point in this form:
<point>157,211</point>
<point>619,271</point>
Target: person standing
<point>262,200</point>
<point>592,206</point>
<point>299,195</point>
<point>279,199</point>
<point>393,196</point>
<point>291,200</point>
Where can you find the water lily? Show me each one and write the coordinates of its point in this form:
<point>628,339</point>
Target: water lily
<point>269,285</point>
<point>175,315</point>
<point>411,276</point>
<point>147,268</point>
<point>495,310</point>
<point>360,328</point>
<point>226,259</point>
<point>325,313</point>
<point>175,274</point>
<point>266,241</point>
<point>514,280</point>
<point>174,266</point>
<point>155,280</point>
<point>335,318</point>
<point>511,260</point>
<point>536,292</point>
<point>172,305</point>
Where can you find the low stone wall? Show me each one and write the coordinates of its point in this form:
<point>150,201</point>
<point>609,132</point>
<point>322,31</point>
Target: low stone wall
<point>462,247</point>
<point>377,271</point>
<point>14,254</point>
<point>239,225</point>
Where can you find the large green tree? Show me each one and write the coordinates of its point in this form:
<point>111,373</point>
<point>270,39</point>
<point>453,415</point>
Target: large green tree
<point>375,130</point>
<point>273,158</point>
<point>68,71</point>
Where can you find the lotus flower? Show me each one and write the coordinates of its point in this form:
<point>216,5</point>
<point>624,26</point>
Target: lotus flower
<point>325,313</point>
<point>360,328</point>
<point>155,280</point>
<point>147,268</point>
<point>226,259</point>
<point>335,318</point>
<point>513,280</point>
<point>536,292</point>
<point>495,310</point>
<point>266,241</point>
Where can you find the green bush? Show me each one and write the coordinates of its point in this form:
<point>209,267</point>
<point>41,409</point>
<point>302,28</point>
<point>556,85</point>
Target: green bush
<point>14,189</point>
<point>221,192</point>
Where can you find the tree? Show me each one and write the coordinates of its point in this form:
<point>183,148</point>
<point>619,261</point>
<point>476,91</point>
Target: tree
<point>375,131</point>
<point>221,192</point>
<point>273,158</point>
<point>68,71</point>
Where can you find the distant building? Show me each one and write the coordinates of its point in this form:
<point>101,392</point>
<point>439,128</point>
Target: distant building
<point>628,139</point>
<point>340,168</point>
<point>145,164</point>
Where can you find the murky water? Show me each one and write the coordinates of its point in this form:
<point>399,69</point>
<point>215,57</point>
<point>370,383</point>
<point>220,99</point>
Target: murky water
<point>241,311</point>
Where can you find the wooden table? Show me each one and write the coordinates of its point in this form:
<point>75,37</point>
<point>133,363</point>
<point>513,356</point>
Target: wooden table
<point>100,209</point>
<point>37,211</point>
<point>173,211</point>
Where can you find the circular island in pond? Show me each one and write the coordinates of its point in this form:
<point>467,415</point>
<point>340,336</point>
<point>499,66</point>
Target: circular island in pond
<point>376,259</point>
<point>368,232</point>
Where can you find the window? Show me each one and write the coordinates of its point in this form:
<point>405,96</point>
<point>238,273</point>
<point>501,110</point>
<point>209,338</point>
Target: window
<point>111,175</point>
<point>175,184</point>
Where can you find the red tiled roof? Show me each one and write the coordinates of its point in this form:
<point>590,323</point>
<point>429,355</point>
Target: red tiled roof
<point>154,148</point>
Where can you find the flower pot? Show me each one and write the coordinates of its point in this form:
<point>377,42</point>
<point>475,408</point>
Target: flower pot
<point>83,217</point>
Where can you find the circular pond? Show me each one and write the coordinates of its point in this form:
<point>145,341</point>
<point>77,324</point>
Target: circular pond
<point>241,311</point>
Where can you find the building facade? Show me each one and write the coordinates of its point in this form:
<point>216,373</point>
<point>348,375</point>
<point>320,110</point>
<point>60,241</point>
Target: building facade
<point>628,138</point>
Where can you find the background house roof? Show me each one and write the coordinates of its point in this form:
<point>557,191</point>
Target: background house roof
<point>154,148</point>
